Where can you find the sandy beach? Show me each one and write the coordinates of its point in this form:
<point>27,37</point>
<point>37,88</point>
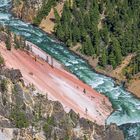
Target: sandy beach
<point>59,85</point>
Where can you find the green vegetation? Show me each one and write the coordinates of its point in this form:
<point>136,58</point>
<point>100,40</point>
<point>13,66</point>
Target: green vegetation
<point>57,17</point>
<point>1,60</point>
<point>117,34</point>
<point>17,2</point>
<point>17,42</point>
<point>8,39</point>
<point>3,85</point>
<point>8,43</point>
<point>49,125</point>
<point>19,118</point>
<point>133,67</point>
<point>44,11</point>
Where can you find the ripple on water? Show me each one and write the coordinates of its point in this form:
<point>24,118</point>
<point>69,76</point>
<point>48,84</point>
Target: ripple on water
<point>127,107</point>
<point>132,131</point>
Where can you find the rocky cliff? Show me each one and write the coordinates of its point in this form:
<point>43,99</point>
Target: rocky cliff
<point>26,9</point>
<point>34,11</point>
<point>27,114</point>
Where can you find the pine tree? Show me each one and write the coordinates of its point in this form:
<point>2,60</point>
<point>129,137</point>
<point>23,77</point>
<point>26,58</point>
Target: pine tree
<point>76,33</point>
<point>103,58</point>
<point>88,47</point>
<point>117,51</point>
<point>112,61</point>
<point>60,32</point>
<point>8,43</point>
<point>57,17</point>
<point>1,60</point>
<point>17,45</point>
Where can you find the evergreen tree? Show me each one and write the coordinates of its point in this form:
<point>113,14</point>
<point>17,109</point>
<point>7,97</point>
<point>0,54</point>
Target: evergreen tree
<point>57,17</point>
<point>1,60</point>
<point>117,51</point>
<point>60,33</point>
<point>8,42</point>
<point>88,47</point>
<point>112,61</point>
<point>17,44</point>
<point>103,58</point>
<point>119,32</point>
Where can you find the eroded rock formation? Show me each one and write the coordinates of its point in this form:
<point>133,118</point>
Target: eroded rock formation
<point>26,9</point>
<point>26,114</point>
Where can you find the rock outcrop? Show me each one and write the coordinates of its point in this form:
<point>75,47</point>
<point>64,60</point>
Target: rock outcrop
<point>26,9</point>
<point>26,114</point>
<point>113,133</point>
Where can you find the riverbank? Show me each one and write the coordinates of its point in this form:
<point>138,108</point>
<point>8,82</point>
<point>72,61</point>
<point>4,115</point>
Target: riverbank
<point>47,25</point>
<point>131,86</point>
<point>59,85</point>
<point>117,74</point>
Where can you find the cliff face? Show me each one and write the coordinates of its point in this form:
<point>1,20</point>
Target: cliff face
<point>26,9</point>
<point>27,114</point>
<point>38,12</point>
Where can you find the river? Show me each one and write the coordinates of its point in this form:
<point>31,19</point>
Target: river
<point>126,106</point>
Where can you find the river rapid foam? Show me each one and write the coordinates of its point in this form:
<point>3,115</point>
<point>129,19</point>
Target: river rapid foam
<point>126,107</point>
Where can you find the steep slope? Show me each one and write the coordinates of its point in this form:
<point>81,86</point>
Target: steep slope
<point>33,10</point>
<point>59,84</point>
<point>26,9</point>
<point>26,114</point>
<point>106,32</point>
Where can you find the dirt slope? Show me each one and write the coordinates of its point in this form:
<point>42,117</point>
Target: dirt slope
<point>59,85</point>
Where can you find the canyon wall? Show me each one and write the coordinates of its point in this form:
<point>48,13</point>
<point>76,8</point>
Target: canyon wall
<point>26,9</point>
<point>26,114</point>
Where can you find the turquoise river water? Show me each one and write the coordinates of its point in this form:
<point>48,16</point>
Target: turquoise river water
<point>126,106</point>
